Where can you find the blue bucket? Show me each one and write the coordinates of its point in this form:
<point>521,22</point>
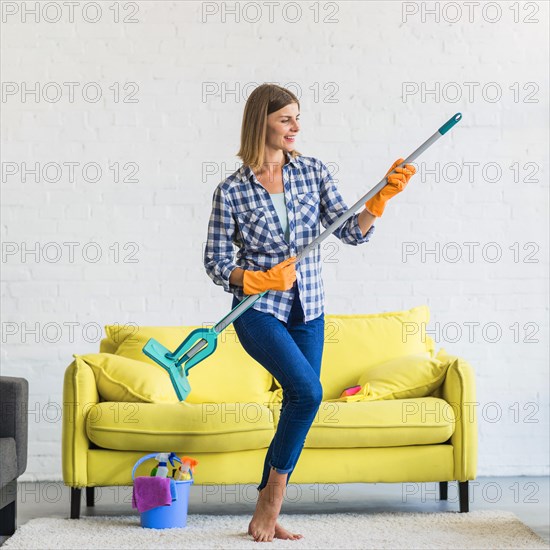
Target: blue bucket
<point>167,517</point>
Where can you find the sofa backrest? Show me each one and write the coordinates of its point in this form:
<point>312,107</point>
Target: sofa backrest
<point>353,343</point>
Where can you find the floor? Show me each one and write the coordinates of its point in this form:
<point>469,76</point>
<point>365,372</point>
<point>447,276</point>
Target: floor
<point>527,497</point>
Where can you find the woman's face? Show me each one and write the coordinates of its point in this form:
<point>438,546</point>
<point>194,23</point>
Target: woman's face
<point>282,127</point>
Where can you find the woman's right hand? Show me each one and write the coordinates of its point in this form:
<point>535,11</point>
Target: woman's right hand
<point>279,277</point>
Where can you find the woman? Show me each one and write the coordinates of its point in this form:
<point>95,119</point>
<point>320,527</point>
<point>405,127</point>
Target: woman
<point>271,208</point>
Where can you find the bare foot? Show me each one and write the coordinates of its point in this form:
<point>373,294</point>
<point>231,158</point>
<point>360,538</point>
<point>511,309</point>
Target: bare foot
<point>282,533</point>
<point>263,523</point>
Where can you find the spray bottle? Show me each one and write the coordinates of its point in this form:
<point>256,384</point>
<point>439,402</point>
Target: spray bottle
<point>161,469</point>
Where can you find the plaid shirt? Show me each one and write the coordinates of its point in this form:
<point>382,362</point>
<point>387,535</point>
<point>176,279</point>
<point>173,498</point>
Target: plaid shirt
<point>243,214</point>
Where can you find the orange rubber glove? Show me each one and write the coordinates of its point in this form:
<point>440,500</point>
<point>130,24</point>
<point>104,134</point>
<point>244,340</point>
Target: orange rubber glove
<point>396,183</point>
<point>279,277</point>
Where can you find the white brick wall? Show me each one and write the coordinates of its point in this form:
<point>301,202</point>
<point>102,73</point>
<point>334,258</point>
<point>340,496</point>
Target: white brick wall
<point>361,61</point>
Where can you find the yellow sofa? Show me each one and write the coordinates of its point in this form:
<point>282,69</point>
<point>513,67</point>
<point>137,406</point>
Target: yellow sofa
<point>230,417</point>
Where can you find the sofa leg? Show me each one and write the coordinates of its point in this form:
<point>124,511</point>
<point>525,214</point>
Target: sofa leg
<point>463,496</point>
<point>8,517</point>
<point>90,496</point>
<point>443,490</point>
<point>75,502</point>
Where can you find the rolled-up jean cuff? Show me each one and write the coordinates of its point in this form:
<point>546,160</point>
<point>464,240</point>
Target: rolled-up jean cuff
<point>279,471</point>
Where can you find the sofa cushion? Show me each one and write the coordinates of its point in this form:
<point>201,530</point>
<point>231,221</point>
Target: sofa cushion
<point>355,342</point>
<point>8,460</point>
<point>404,377</point>
<point>388,423</point>
<point>415,375</point>
<point>228,375</point>
<point>120,378</point>
<point>180,427</point>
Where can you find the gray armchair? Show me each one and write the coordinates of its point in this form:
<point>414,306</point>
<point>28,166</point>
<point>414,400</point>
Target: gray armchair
<point>14,402</point>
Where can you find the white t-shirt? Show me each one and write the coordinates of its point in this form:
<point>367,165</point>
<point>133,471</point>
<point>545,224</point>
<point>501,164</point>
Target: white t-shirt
<point>278,200</point>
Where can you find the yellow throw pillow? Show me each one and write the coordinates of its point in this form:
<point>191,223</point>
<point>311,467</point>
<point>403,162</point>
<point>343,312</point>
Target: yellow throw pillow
<point>414,375</point>
<point>119,378</point>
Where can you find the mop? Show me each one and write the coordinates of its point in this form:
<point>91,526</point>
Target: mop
<point>202,342</point>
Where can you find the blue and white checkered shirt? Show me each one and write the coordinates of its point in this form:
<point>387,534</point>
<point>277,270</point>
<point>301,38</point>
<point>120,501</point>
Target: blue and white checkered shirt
<point>243,214</point>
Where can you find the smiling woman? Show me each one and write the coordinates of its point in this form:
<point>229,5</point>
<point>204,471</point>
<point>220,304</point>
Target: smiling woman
<point>271,209</point>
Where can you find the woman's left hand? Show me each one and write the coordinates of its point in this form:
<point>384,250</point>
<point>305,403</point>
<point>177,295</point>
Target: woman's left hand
<point>396,183</point>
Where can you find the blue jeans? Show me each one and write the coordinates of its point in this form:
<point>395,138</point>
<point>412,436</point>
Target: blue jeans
<point>292,353</point>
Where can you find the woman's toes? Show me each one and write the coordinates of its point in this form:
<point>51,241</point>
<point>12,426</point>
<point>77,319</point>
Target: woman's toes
<point>282,533</point>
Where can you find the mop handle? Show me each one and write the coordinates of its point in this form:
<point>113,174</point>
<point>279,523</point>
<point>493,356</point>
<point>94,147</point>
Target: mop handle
<point>382,183</point>
<point>251,299</point>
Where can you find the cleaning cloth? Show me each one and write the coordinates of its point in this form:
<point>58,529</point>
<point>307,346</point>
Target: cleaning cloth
<point>150,492</point>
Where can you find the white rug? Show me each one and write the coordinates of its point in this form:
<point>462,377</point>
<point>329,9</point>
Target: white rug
<point>477,529</point>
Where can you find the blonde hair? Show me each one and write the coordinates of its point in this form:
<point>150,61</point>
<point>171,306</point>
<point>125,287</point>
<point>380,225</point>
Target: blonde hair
<point>264,100</point>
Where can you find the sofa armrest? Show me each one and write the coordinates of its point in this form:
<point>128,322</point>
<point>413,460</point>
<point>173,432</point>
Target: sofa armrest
<point>459,391</point>
<point>80,395</point>
<point>14,399</point>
